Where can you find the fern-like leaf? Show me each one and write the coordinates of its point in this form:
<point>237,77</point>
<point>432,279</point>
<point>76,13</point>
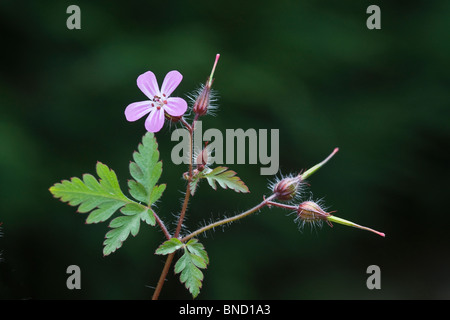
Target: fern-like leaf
<point>226,179</point>
<point>101,197</point>
<point>189,265</point>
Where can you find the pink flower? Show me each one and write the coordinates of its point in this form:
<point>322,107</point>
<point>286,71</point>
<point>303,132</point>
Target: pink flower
<point>160,100</point>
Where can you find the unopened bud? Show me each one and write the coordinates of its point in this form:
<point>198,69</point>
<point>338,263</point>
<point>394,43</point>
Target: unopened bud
<point>287,188</point>
<point>202,159</point>
<point>201,104</point>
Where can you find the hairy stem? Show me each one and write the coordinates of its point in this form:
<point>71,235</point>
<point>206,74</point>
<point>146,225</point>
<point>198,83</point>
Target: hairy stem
<point>282,205</point>
<point>183,211</point>
<point>183,121</point>
<point>188,188</point>
<point>162,226</point>
<point>162,277</point>
<point>228,220</point>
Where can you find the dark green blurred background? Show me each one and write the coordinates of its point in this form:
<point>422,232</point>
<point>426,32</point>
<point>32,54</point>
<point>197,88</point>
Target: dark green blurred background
<point>309,68</point>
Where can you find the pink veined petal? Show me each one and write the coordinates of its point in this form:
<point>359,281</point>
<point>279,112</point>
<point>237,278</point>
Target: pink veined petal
<point>148,84</point>
<point>171,81</point>
<point>155,120</point>
<point>175,106</point>
<point>137,110</point>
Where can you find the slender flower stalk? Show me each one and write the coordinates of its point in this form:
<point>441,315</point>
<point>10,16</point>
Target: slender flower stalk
<point>169,259</point>
<point>230,219</point>
<point>282,205</point>
<point>188,190</point>
<point>187,125</point>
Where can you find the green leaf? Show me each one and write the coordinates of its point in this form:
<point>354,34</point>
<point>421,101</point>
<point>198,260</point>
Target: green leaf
<point>157,193</point>
<point>146,171</point>
<point>169,246</point>
<point>189,265</point>
<point>103,197</point>
<point>137,190</point>
<point>226,179</point>
<point>198,249</point>
<point>125,225</point>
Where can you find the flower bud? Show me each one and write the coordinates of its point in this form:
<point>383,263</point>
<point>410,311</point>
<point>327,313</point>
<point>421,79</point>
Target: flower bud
<point>202,159</point>
<point>202,102</point>
<point>287,188</point>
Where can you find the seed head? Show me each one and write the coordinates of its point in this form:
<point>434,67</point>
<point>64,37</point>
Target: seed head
<point>310,211</point>
<point>203,101</point>
<point>201,104</point>
<point>287,188</point>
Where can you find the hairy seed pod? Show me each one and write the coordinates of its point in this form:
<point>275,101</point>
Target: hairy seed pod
<point>287,188</point>
<point>310,211</point>
<point>203,100</point>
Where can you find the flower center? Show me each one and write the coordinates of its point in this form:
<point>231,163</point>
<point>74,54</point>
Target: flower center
<point>158,103</point>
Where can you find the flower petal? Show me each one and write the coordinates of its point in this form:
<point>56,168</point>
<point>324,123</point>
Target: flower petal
<point>171,81</point>
<point>148,84</point>
<point>155,120</point>
<point>175,106</point>
<point>137,110</point>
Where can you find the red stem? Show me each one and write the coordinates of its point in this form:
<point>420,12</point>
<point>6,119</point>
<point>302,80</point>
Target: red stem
<point>169,259</point>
